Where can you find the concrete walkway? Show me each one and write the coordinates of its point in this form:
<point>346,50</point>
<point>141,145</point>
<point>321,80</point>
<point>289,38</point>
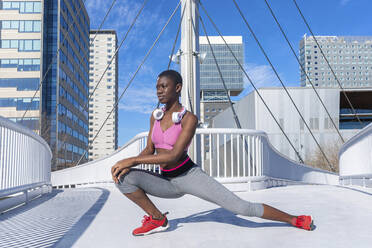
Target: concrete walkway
<point>102,217</point>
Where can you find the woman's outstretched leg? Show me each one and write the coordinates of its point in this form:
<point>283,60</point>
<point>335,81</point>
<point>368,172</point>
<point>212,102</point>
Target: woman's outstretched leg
<point>198,183</point>
<point>271,213</point>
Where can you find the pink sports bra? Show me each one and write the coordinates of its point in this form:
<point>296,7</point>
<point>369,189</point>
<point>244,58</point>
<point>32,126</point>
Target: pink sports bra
<point>166,139</point>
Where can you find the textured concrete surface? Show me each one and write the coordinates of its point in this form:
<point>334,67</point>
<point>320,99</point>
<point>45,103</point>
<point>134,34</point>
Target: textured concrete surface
<point>102,217</point>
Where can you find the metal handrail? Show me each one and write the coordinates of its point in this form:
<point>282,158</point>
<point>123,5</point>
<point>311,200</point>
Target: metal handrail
<point>233,154</point>
<point>25,159</point>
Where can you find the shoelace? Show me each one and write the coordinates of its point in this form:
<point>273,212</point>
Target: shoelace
<point>145,219</point>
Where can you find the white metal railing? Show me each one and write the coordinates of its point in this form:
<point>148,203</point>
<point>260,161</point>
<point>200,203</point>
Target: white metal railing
<point>230,155</point>
<point>355,159</point>
<point>364,180</point>
<point>25,160</point>
<point>238,160</point>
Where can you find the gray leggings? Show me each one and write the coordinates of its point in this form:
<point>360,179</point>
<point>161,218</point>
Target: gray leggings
<point>195,182</point>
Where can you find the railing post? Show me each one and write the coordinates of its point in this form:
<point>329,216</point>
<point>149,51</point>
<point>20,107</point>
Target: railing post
<point>218,154</point>
<point>26,196</point>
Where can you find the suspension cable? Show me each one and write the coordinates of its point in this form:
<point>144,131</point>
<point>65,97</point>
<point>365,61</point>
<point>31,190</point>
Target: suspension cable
<point>281,82</point>
<point>253,85</point>
<point>57,52</point>
<point>303,69</point>
<point>329,65</point>
<point>134,75</point>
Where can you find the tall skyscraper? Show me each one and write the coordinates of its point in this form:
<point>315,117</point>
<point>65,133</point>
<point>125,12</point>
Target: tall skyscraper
<point>31,34</point>
<point>212,93</point>
<point>65,91</point>
<point>102,51</point>
<point>349,56</point>
<point>20,56</point>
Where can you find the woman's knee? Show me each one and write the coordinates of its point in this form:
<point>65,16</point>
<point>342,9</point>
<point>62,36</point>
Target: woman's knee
<point>127,183</point>
<point>128,178</point>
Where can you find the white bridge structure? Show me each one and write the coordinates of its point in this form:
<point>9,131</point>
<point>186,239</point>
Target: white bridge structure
<point>85,209</point>
<point>81,207</point>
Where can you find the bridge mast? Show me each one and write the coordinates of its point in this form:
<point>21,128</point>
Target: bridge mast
<point>190,95</point>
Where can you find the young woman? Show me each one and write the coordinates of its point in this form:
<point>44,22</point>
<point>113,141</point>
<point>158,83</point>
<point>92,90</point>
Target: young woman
<point>171,131</point>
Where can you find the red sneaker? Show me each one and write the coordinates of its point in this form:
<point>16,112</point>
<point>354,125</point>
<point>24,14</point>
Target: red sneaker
<point>150,225</point>
<point>304,222</point>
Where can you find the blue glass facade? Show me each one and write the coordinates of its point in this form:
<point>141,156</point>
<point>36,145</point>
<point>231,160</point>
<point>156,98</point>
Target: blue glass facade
<point>22,84</point>
<point>66,90</point>
<point>210,81</point>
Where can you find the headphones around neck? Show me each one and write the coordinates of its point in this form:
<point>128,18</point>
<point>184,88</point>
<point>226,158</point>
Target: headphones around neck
<point>176,116</point>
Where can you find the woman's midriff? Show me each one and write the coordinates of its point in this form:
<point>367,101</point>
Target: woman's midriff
<point>171,166</point>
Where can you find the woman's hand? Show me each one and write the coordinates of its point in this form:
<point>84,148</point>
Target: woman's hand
<point>120,168</point>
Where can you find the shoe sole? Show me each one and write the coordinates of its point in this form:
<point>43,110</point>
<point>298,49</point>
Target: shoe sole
<point>156,230</point>
<point>312,226</point>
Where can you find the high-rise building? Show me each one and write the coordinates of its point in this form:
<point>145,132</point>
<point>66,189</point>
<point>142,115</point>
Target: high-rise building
<point>65,90</point>
<point>47,42</point>
<point>213,98</point>
<point>20,56</point>
<point>102,51</point>
<point>349,56</point>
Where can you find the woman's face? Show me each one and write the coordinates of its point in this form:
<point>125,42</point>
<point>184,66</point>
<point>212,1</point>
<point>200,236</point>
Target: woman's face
<point>167,90</point>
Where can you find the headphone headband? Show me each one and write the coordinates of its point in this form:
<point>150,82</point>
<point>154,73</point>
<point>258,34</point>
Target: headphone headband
<point>176,116</point>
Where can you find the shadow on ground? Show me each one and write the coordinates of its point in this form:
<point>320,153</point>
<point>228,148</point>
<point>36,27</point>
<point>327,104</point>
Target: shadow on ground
<point>221,215</point>
<point>30,205</point>
<point>51,221</point>
<point>70,237</point>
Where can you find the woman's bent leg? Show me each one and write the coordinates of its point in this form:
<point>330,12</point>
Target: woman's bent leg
<point>136,183</point>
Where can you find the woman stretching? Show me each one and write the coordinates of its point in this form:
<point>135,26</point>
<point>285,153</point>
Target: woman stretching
<point>171,131</point>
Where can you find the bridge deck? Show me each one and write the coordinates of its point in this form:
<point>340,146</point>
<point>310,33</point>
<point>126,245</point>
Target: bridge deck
<point>102,217</point>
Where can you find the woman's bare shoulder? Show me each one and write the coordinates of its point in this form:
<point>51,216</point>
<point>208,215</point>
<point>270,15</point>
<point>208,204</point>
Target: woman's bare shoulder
<point>190,119</point>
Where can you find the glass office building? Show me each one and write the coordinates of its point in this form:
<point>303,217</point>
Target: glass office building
<point>48,42</point>
<point>213,96</point>
<point>65,92</point>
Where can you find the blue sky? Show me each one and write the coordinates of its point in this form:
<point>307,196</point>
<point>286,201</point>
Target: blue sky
<point>330,17</point>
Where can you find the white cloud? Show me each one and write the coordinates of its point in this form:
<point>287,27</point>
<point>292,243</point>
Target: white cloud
<point>261,76</point>
<point>140,99</point>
